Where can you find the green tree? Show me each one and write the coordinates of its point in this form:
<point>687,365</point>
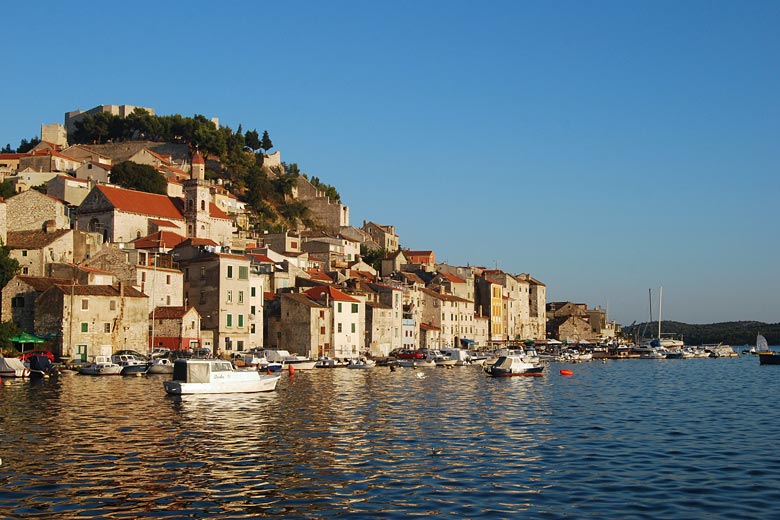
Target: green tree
<point>8,266</point>
<point>139,177</point>
<point>8,330</point>
<point>25,145</point>
<point>7,149</point>
<point>266,143</point>
<point>6,189</point>
<point>252,140</point>
<point>373,257</point>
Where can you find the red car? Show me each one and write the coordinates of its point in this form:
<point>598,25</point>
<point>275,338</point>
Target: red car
<point>27,355</point>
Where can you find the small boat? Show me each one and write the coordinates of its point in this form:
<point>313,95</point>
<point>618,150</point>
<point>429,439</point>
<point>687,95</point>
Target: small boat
<point>720,350</point>
<point>216,376</point>
<point>160,365</point>
<point>416,363</point>
<point>131,365</point>
<point>285,359</point>
<point>766,356</point>
<point>101,366</point>
<point>761,345</point>
<point>13,367</point>
<point>42,367</point>
<point>514,365</point>
<point>361,363</point>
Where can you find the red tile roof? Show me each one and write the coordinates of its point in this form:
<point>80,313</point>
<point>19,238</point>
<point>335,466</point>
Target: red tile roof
<point>161,313</point>
<point>159,239</point>
<point>260,258</point>
<point>140,202</point>
<point>452,278</point>
<point>197,158</point>
<point>319,293</point>
<point>163,223</point>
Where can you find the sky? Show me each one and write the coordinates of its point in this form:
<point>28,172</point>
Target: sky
<point>605,147</point>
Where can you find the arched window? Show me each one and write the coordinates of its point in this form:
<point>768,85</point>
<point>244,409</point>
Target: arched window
<point>203,205</point>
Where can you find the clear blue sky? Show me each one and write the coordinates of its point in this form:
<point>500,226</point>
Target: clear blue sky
<point>606,147</point>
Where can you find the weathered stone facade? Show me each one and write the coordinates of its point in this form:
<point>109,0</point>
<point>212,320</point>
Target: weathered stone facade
<point>175,328</point>
<point>91,320</point>
<point>379,329</point>
<point>18,299</point>
<point>32,210</point>
<point>305,327</point>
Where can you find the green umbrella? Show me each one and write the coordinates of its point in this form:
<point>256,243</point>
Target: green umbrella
<point>26,338</point>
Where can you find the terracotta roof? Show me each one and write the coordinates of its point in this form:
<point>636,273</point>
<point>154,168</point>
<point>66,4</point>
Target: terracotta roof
<point>42,153</point>
<point>197,158</point>
<point>34,239</point>
<point>159,239</point>
<point>160,157</point>
<point>215,212</point>
<point>41,283</point>
<point>141,202</point>
<point>492,280</point>
<point>12,155</point>
<point>72,178</point>
<point>88,269</point>
<point>319,293</point>
<point>269,296</point>
<point>100,290</point>
<point>425,326</point>
<point>452,278</point>
<point>198,242</point>
<point>302,299</point>
<point>447,297</point>
<point>319,275</point>
<point>161,313</point>
<point>260,258</point>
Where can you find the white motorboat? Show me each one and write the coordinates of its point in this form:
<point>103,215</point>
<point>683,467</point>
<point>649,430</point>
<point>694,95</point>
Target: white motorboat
<point>286,359</point>
<point>460,355</point>
<point>329,362</point>
<point>514,365</point>
<point>160,365</point>
<point>216,376</point>
<point>13,367</point>
<point>101,366</point>
<point>131,364</point>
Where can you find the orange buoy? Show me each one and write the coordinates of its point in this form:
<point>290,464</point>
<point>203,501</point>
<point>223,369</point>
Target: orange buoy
<point>567,373</point>
<point>291,369</point>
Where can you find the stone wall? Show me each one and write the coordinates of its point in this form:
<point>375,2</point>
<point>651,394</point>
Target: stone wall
<point>29,211</point>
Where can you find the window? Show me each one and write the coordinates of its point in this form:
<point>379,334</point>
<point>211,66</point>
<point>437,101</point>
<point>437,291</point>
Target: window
<point>322,314</point>
<point>112,305</point>
<point>24,252</point>
<point>240,296</point>
<point>17,301</point>
<point>143,276</point>
<point>252,309</point>
<point>229,320</point>
<point>240,345</point>
<point>168,279</point>
<point>85,327</point>
<point>186,274</point>
<point>230,271</point>
<point>339,327</point>
<point>252,328</point>
<point>25,270</point>
<point>354,308</point>
<point>84,304</point>
<point>202,273</point>
<point>107,328</point>
<point>240,320</point>
<point>167,300</point>
<point>243,272</point>
<point>230,296</point>
<point>203,205</point>
<point>353,328</point>
<point>252,292</point>
<point>322,331</point>
<point>338,308</point>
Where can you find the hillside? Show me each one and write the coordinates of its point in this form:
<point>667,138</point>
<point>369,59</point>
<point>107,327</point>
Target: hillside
<point>732,332</point>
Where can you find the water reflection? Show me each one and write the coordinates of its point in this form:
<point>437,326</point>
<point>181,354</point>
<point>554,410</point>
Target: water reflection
<point>638,439</point>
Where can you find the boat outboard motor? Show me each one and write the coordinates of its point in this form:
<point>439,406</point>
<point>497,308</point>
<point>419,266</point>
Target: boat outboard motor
<point>42,365</point>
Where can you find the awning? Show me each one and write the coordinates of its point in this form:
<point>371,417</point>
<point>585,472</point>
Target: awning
<point>467,341</point>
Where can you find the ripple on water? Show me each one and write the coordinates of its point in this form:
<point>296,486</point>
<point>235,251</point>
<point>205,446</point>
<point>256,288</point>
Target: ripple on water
<point>627,439</point>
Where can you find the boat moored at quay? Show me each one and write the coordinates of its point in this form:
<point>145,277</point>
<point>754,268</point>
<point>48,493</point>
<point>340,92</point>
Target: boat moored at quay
<point>216,376</point>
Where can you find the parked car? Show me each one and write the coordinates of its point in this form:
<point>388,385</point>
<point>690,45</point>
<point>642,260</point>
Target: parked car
<point>27,355</point>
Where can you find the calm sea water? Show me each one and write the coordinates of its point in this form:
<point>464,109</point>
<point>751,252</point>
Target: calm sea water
<point>623,439</point>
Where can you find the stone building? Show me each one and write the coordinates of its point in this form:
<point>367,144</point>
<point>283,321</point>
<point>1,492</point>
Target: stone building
<point>384,236</point>
<point>122,215</point>
<point>175,328</point>
<point>34,249</point>
<point>18,298</point>
<point>330,214</point>
<point>219,286</point>
<point>48,161</point>
<point>33,211</point>
<point>69,189</point>
<point>90,320</point>
<point>305,326</point>
<point>450,314</point>
<point>348,314</point>
<point>379,327</point>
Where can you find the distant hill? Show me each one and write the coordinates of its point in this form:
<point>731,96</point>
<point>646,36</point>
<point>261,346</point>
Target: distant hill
<point>733,332</point>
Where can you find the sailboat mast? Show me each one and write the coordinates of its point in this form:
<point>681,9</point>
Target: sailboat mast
<point>660,303</point>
